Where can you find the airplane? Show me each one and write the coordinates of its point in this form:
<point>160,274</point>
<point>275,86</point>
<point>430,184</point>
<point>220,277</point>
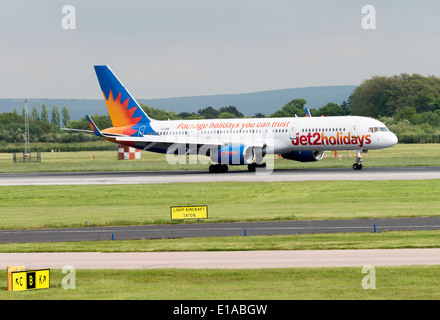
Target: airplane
<point>235,141</point>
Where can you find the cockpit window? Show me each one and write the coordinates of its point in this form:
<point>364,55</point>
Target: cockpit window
<point>377,129</point>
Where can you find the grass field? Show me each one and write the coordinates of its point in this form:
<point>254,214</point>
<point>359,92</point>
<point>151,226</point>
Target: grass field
<point>324,241</point>
<point>400,155</point>
<point>76,206</point>
<point>413,282</point>
<point>81,206</point>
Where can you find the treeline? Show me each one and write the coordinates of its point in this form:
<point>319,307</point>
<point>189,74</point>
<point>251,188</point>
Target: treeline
<point>44,127</point>
<point>44,118</point>
<point>408,104</point>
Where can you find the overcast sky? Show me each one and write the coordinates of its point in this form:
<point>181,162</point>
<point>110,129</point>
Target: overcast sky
<point>173,48</point>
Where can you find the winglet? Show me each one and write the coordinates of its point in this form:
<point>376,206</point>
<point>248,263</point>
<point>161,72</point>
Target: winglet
<point>94,127</point>
<point>308,115</point>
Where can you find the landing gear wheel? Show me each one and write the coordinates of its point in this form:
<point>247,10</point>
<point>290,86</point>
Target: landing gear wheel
<point>253,166</point>
<point>357,166</point>
<point>218,168</point>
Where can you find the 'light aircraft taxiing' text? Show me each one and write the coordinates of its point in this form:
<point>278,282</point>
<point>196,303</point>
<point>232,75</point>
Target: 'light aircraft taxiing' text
<point>235,141</point>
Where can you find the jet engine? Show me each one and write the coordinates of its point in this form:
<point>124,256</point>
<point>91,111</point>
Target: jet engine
<point>234,154</point>
<point>304,156</point>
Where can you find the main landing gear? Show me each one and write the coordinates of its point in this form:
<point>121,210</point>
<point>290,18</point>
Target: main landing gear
<point>358,164</point>
<point>253,166</point>
<point>223,168</point>
<point>218,168</point>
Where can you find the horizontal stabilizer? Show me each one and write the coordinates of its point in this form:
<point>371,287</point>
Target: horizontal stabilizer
<point>78,130</point>
<point>94,127</point>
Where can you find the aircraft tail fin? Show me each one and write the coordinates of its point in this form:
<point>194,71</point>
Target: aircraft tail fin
<point>122,107</point>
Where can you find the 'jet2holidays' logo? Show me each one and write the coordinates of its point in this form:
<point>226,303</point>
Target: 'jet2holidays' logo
<point>320,139</point>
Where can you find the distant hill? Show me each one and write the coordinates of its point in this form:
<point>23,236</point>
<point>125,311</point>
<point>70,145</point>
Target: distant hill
<point>265,102</point>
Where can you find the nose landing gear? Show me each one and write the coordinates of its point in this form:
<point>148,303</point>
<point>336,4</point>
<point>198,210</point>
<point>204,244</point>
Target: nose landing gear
<point>358,164</point>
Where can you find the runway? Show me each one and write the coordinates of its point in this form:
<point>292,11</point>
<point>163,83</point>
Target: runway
<point>224,259</point>
<point>240,259</point>
<point>219,229</point>
<point>146,177</point>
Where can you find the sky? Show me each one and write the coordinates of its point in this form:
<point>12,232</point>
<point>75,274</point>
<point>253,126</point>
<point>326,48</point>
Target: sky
<point>175,48</point>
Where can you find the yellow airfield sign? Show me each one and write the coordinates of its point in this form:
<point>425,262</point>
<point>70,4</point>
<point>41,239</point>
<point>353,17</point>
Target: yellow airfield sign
<point>30,279</point>
<point>189,212</point>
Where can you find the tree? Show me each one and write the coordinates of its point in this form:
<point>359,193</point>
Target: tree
<point>185,115</point>
<point>233,110</point>
<point>346,107</point>
<point>159,114</point>
<point>55,116</point>
<point>386,96</point>
<point>281,114</point>
<point>226,115</point>
<point>66,116</point>
<point>45,114</point>
<point>407,113</point>
<point>295,107</point>
<point>35,116</point>
<point>208,113</point>
<point>195,116</point>
<point>331,109</point>
<point>102,122</point>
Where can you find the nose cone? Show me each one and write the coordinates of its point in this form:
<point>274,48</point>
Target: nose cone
<point>392,139</point>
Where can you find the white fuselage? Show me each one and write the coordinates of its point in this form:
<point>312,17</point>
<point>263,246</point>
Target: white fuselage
<point>282,135</point>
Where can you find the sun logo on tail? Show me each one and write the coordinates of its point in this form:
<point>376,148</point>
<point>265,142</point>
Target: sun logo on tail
<point>119,112</point>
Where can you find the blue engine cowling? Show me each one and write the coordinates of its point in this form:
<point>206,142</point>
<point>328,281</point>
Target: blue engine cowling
<point>304,156</point>
<point>234,154</point>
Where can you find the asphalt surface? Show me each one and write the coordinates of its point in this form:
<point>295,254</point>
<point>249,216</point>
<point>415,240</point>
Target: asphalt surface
<point>224,259</point>
<point>144,177</point>
<point>219,229</point>
<point>248,259</point>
